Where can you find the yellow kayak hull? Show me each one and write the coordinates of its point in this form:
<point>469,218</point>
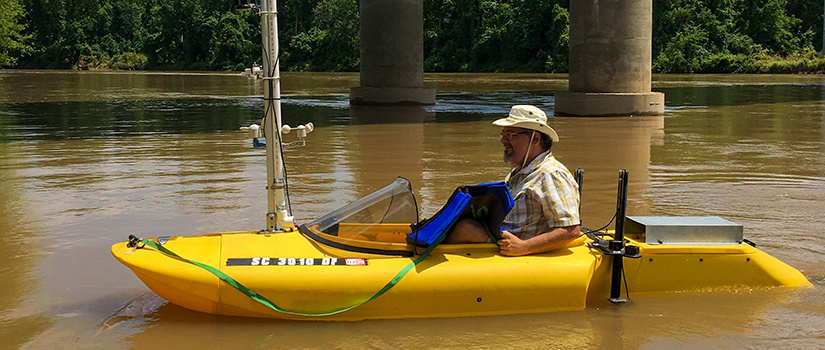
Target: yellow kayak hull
<point>453,281</point>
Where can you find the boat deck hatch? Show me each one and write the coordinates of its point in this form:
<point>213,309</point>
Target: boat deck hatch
<point>684,229</point>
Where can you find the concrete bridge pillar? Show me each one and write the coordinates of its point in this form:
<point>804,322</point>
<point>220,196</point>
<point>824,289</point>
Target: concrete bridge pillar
<point>610,60</point>
<point>392,54</point>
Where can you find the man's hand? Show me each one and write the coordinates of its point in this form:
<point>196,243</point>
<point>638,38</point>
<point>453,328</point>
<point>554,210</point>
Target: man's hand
<point>556,238</point>
<point>511,245</point>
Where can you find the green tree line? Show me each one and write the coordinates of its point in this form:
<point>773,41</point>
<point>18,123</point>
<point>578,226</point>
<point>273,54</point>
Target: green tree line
<point>689,36</point>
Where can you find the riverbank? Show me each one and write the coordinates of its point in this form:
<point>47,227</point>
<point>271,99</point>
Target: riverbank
<point>759,62</point>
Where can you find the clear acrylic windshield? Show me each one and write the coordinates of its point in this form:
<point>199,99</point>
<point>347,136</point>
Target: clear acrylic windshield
<point>378,221</point>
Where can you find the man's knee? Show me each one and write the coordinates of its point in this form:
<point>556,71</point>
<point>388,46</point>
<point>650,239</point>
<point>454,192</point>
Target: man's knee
<point>467,231</point>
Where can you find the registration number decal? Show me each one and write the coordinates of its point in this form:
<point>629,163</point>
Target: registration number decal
<point>260,261</point>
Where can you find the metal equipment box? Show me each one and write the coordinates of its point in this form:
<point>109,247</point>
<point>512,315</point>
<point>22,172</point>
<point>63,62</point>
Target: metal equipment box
<point>684,229</point>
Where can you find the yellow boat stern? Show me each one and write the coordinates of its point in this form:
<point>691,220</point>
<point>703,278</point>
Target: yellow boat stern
<point>664,268</point>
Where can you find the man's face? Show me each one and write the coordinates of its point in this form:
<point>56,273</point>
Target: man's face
<point>515,141</point>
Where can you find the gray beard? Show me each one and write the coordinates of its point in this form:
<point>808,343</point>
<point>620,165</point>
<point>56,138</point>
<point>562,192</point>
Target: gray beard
<point>508,157</point>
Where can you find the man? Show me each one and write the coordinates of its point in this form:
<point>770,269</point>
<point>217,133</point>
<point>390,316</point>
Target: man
<point>545,214</point>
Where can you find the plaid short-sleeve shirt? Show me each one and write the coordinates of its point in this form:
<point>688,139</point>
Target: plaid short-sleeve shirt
<point>546,196</point>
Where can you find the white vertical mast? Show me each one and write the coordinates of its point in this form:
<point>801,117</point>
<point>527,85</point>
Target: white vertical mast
<point>278,217</point>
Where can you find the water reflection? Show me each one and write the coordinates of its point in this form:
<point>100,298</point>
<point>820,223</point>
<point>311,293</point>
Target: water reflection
<point>740,94</point>
<point>19,239</point>
<point>646,323</point>
<point>751,164</point>
<point>390,114</point>
<point>602,147</point>
<point>340,164</point>
<point>79,120</point>
<point>75,86</point>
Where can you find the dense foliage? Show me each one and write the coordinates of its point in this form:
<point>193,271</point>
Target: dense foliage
<point>733,35</point>
<point>12,32</point>
<point>459,35</point>
<point>486,35</point>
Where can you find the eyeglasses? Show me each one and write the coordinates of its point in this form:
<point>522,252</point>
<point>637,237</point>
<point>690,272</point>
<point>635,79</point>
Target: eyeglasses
<point>509,135</point>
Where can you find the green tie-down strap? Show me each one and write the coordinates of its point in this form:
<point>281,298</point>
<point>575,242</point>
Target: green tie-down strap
<point>268,303</point>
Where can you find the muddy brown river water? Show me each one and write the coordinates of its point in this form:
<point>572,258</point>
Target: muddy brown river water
<point>88,158</point>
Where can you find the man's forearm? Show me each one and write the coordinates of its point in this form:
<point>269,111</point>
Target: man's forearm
<point>554,239</point>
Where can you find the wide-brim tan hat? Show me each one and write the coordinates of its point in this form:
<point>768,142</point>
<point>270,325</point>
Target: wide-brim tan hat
<point>528,117</point>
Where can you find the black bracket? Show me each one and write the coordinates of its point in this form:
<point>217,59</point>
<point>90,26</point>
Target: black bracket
<point>612,247</point>
<point>133,241</point>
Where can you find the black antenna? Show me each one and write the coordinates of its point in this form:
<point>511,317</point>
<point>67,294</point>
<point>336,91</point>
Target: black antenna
<point>617,245</point>
<point>579,176</point>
